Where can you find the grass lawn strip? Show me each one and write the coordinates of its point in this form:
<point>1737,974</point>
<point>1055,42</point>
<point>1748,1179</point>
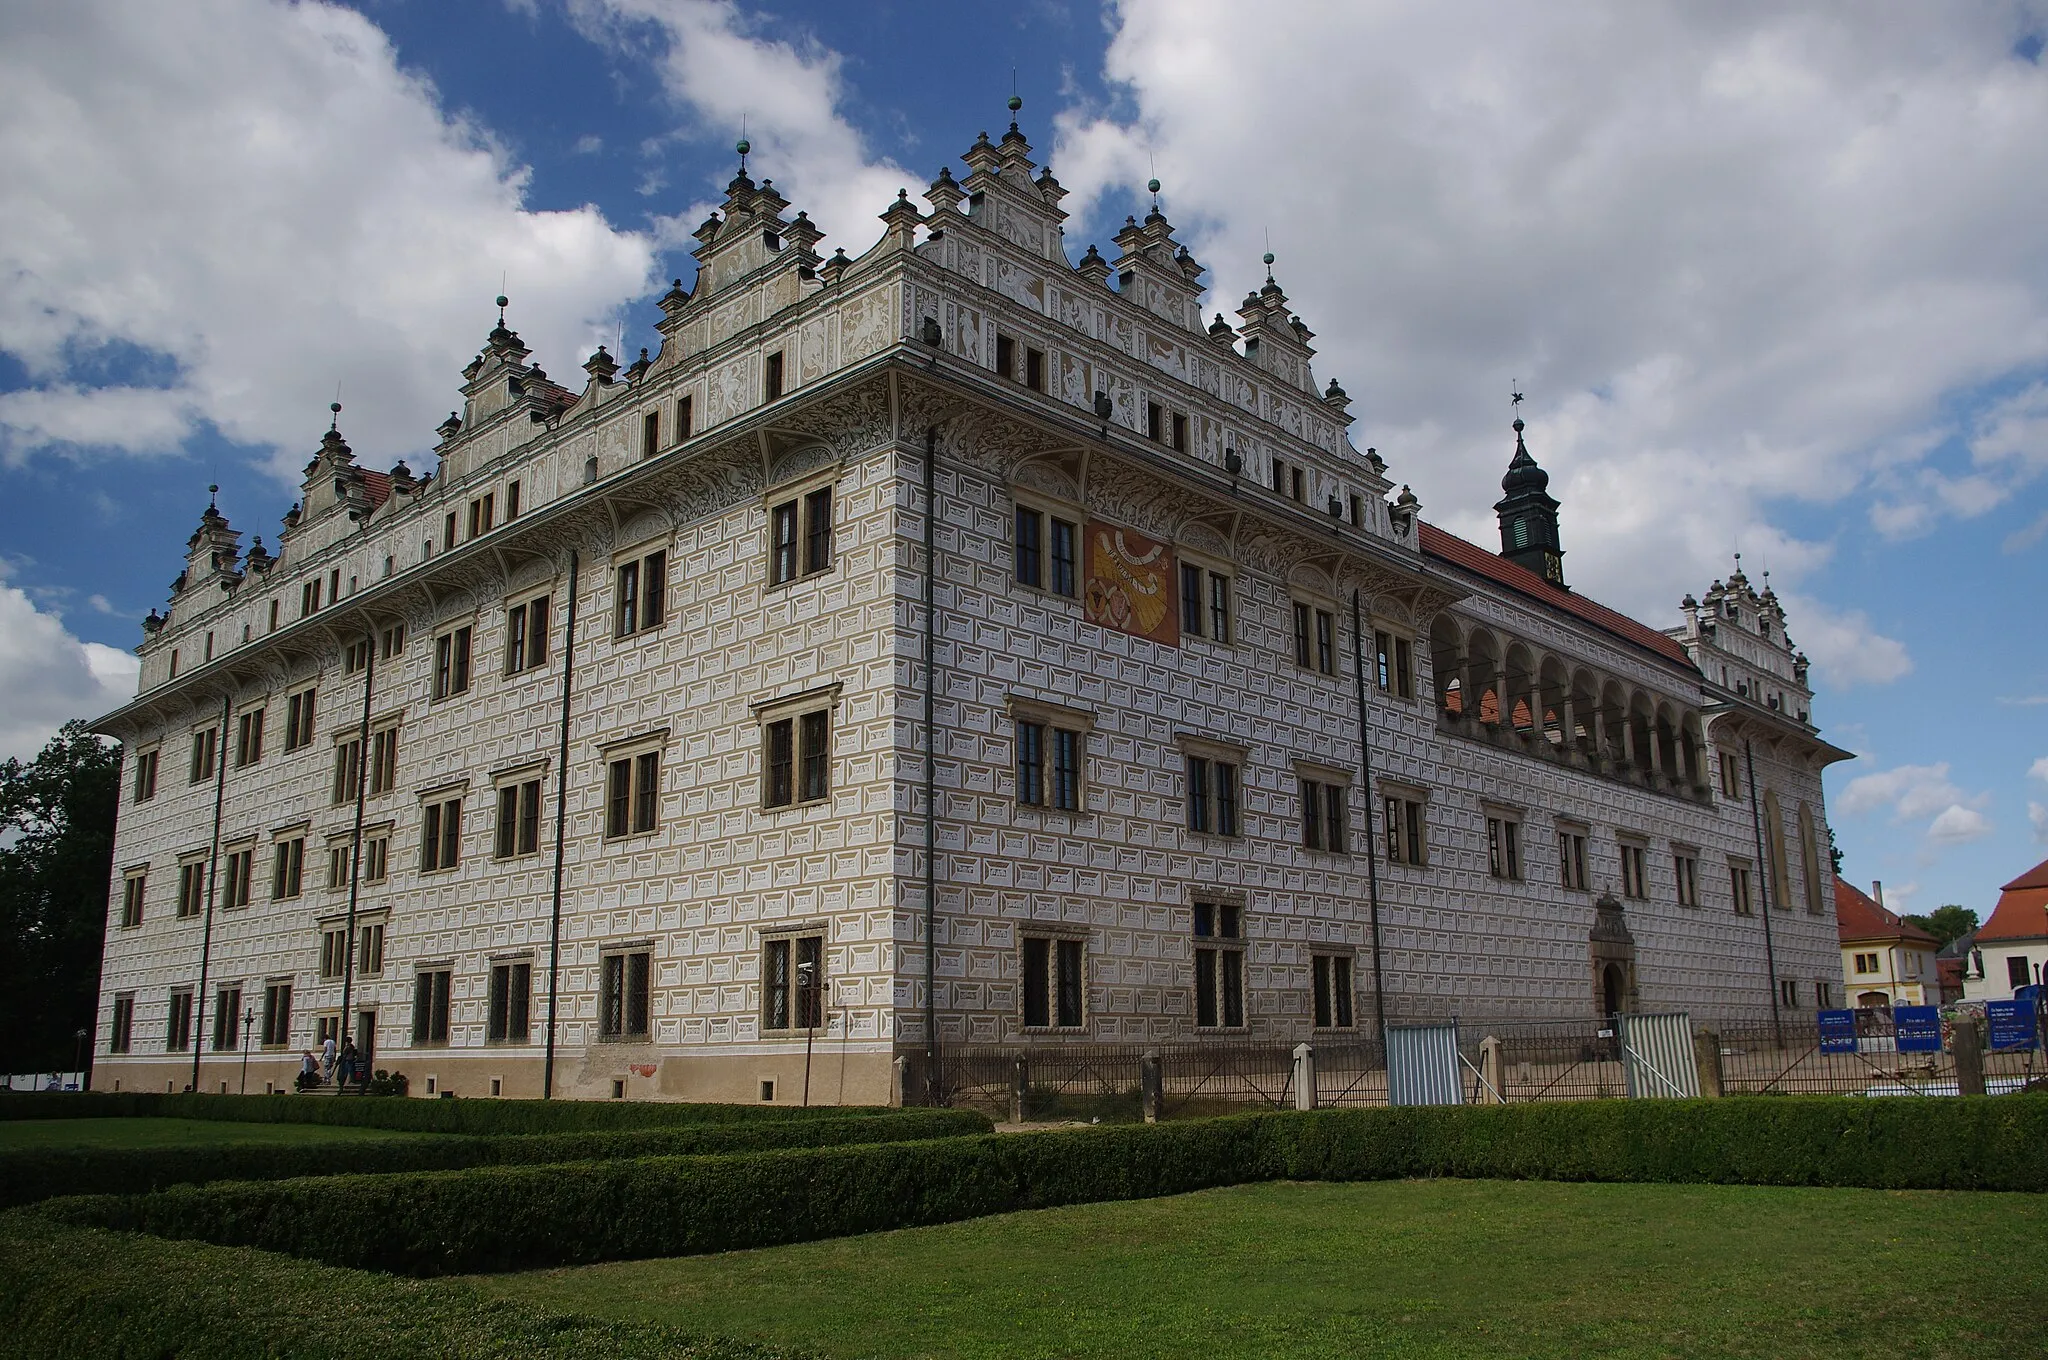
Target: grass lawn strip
<point>1402,1268</point>
<point>148,1132</point>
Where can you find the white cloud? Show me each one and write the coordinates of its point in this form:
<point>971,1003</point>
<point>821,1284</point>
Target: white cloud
<point>1734,254</point>
<point>2037,814</point>
<point>2039,770</point>
<point>715,63</point>
<point>1913,793</point>
<point>1958,825</point>
<point>49,676</point>
<point>259,201</point>
<point>1845,649</point>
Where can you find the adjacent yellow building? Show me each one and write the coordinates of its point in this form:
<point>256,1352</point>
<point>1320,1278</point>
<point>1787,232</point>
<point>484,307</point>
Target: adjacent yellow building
<point>1885,961</point>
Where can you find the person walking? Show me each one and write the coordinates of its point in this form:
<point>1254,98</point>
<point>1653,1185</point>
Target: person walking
<point>349,1059</point>
<point>327,1056</point>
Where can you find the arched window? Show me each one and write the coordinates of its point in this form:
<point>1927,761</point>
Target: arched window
<point>1774,849</point>
<point>1809,859</point>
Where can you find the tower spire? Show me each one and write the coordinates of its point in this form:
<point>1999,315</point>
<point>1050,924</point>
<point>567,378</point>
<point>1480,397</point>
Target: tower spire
<point>1527,511</point>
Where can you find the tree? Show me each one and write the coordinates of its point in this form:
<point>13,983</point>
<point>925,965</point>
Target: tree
<point>1946,924</point>
<point>1834,853</point>
<point>57,830</point>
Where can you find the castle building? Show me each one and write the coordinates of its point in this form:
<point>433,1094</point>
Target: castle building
<point>956,644</point>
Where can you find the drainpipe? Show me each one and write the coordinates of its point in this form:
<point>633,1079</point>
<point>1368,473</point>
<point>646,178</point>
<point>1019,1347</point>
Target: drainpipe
<point>547,1079</point>
<point>1763,886</point>
<point>355,850</point>
<point>1372,848</point>
<point>220,793</point>
<point>931,761</point>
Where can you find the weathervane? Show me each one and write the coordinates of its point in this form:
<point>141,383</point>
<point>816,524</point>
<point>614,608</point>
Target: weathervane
<point>1515,397</point>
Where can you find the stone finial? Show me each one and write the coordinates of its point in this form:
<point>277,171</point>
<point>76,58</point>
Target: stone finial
<point>1094,268</point>
<point>945,192</point>
<point>637,370</point>
<point>601,367</point>
<point>900,220</point>
<point>449,428</point>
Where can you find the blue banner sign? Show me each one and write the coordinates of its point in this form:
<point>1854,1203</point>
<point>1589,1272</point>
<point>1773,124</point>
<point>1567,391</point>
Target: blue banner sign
<point>1918,1028</point>
<point>2012,1023</point>
<point>1838,1031</point>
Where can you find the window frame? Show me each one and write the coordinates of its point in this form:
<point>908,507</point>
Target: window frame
<point>1313,629</point>
<point>1219,954</point>
<point>616,995</point>
<point>784,952</point>
<point>441,833</point>
<point>288,867</point>
<point>795,714</point>
<point>640,581</point>
<point>1064,733</point>
<point>433,1005</point>
<point>526,632</point>
<point>519,797</point>
<point>121,1026</point>
<point>1214,619</point>
<point>1324,796</point>
<point>1505,861</point>
<point>1393,661</point>
<point>1052,980</point>
<point>1633,853</point>
<point>1333,986</point>
<point>300,708</point>
<point>454,660</point>
<point>146,762</point>
<point>508,1001</point>
<point>1685,875</point>
<point>1742,886</point>
<point>205,753</point>
<point>275,1023</point>
<point>134,892</point>
<point>240,864</point>
<point>178,1020</point>
<point>633,785</point>
<point>249,736</point>
<point>1052,569</point>
<point>1210,812</point>
<point>1404,811</point>
<point>191,887</point>
<point>812,550</point>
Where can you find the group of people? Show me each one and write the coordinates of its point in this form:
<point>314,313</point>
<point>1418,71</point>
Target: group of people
<point>341,1066</point>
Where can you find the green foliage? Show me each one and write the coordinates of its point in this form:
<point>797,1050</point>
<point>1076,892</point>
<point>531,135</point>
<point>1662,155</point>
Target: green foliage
<point>74,1294</point>
<point>31,1174</point>
<point>54,880</point>
<point>483,1117</point>
<point>485,1219</point>
<point>1946,924</point>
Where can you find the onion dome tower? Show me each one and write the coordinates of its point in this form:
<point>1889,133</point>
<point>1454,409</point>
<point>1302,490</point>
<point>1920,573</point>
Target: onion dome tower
<point>1528,516</point>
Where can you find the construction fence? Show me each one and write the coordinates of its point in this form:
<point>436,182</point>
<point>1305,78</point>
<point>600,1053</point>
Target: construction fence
<point>1459,1061</point>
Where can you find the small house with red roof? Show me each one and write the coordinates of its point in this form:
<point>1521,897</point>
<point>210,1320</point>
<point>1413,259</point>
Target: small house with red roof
<point>1886,961</point>
<point>2012,946</point>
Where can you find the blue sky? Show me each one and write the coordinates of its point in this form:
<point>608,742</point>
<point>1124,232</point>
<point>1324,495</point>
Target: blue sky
<point>1773,282</point>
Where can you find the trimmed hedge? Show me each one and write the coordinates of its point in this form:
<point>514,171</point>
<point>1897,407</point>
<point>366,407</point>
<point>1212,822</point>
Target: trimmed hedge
<point>476,1116</point>
<point>488,1219</point>
<point>31,1174</point>
<point>76,1294</point>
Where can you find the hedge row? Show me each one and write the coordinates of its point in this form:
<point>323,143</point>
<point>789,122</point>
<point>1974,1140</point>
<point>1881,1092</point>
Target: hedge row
<point>412,1115</point>
<point>77,1294</point>
<point>485,1219</point>
<point>31,1174</point>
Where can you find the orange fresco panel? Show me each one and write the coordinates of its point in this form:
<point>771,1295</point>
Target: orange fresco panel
<point>1131,584</point>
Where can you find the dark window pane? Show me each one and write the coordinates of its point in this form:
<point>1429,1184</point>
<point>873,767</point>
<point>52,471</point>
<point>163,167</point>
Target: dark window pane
<point>1233,987</point>
<point>1030,569</point>
<point>1198,794</point>
<point>775,985</point>
<point>781,763</point>
<point>647,792</point>
<point>818,529</point>
<point>817,755</point>
<point>1205,988</point>
<point>1226,799</point>
<point>782,564</point>
<point>618,799</point>
<point>1190,600</point>
<point>1030,763</point>
<point>1066,769</point>
<point>1037,982</point>
<point>1070,982</point>
<point>1062,582</point>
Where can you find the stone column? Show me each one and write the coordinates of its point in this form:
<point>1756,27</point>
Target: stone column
<point>1151,1087</point>
<point>896,1081</point>
<point>1491,1090</point>
<point>1020,1082</point>
<point>1706,1053</point>
<point>1568,720</point>
<point>1966,1041</point>
<point>1304,1077</point>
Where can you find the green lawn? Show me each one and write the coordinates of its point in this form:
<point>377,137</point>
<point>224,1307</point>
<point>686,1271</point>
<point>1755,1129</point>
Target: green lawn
<point>1415,1268</point>
<point>147,1132</point>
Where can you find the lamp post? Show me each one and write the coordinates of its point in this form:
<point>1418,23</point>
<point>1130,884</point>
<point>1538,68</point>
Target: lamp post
<point>79,1062</point>
<point>248,1022</point>
<point>806,974</point>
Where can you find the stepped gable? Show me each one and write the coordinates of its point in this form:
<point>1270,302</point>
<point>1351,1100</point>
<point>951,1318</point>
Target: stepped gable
<point>1859,916</point>
<point>1448,547</point>
<point>2022,910</point>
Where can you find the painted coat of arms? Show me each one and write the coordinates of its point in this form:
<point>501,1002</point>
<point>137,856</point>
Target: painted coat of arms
<point>1131,583</point>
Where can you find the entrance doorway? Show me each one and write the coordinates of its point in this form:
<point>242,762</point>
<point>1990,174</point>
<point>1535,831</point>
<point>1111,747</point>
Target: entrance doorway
<point>1613,988</point>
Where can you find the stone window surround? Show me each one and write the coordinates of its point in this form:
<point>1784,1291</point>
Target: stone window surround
<point>1023,708</point>
<point>622,748</point>
<point>1051,507</point>
<point>799,489</point>
<point>824,698</point>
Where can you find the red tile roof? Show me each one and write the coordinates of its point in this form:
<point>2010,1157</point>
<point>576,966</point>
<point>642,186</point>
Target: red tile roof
<point>1448,547</point>
<point>1859,916</point>
<point>2022,910</point>
<point>378,484</point>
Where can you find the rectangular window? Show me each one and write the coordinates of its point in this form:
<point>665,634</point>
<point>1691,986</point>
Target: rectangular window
<point>1049,766</point>
<point>1731,777</point>
<point>288,869</point>
<point>384,760</point>
<point>448,533</point>
<point>121,1035</point>
<point>1326,642</point>
<point>800,537</point>
<point>370,950</point>
<point>1571,860</point>
<point>793,983</point>
<point>818,530</point>
<point>1394,664</point>
<point>511,1003</point>
<point>1406,842</point>
<point>1006,356</point>
<point>1212,795</point>
<point>623,1008</point>
<point>1315,638</point>
<point>1031,763</point>
<point>337,865</point>
<point>249,738</point>
<point>519,819</point>
<point>227,1019</point>
<point>391,642</point>
<point>632,794</point>
<point>684,419</point>
<point>650,434</point>
<point>333,951</point>
<point>1199,814</point>
<point>348,770</point>
<point>1280,476</point>
<point>355,657</point>
<point>1685,869</point>
<point>451,663</point>
<point>1052,983</point>
<point>641,599</point>
<point>132,889</point>
<point>191,887</point>
<point>145,776</point>
<point>2016,974</point>
<point>1045,552</point>
<point>1324,812</point>
<point>1219,966</point>
<point>1788,992</point>
<point>376,858</point>
<point>1866,963</point>
<point>204,746</point>
<point>1504,847</point>
<point>298,720</point>
<point>1179,431</point>
<point>771,378</point>
<point>1155,420</point>
<point>1738,884</point>
<point>1034,369</point>
<point>1295,482</point>
<point>512,500</point>
<point>277,1015</point>
<point>1204,612</point>
<point>273,615</point>
<point>1030,548</point>
<point>309,593</point>
<point>526,635</point>
<point>178,1026</point>
<point>814,757</point>
<point>1357,509</point>
<point>797,759</point>
<point>1333,995</point>
<point>1634,881</point>
<point>241,877</point>
<point>441,841</point>
<point>430,1007</point>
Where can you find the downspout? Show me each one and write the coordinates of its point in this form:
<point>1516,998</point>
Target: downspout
<point>1372,849</point>
<point>547,1079</point>
<point>355,849</point>
<point>931,760</point>
<point>1763,886</point>
<point>220,793</point>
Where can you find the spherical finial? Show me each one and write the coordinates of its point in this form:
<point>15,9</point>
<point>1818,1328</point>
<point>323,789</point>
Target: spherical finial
<point>1015,103</point>
<point>1152,186</point>
<point>744,146</point>
<point>335,407</point>
<point>213,489</point>
<point>504,301</point>
<point>1269,259</point>
<point>1518,425</point>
